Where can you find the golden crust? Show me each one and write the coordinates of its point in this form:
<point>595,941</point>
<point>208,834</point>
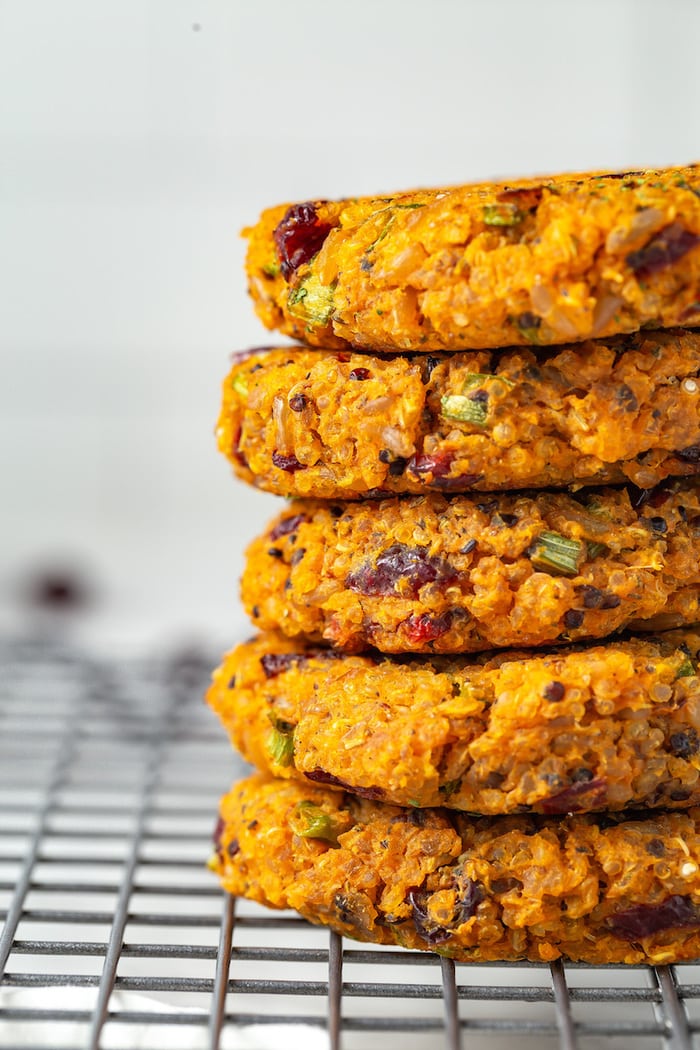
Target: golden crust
<point>330,425</point>
<point>548,260</point>
<point>584,729</point>
<point>432,574</point>
<point>590,888</point>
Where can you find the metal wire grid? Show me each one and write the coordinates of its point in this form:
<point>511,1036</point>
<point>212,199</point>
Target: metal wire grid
<point>116,936</point>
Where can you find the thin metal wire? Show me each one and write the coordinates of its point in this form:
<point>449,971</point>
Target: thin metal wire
<point>223,962</point>
<point>103,838</point>
<point>565,1020</point>
<point>449,994</point>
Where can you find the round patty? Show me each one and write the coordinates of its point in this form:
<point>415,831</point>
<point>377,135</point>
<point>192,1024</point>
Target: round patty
<point>542,261</point>
<point>466,573</point>
<point>335,425</point>
<point>574,730</point>
<point>601,889</point>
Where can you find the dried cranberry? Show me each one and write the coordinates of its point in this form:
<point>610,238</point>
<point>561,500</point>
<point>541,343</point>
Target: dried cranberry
<point>424,628</point>
<point>298,402</point>
<point>398,562</point>
<point>528,321</point>
<point>287,525</point>
<point>218,832</point>
<point>655,847</point>
<point>664,248</point>
<point>298,237</point>
<point>457,484</point>
<point>276,663</point>
<point>469,896</point>
<point>437,465</point>
<point>322,776</point>
<point>691,454</point>
<point>288,463</point>
<point>426,927</point>
<point>584,794</point>
<point>573,619</point>
<point>642,920</point>
<point>591,596</point>
<point>233,848</point>
<point>397,467</point>
<point>360,374</point>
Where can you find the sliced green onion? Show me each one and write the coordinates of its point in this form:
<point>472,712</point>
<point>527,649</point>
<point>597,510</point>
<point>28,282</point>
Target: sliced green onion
<point>457,406</point>
<point>240,385</point>
<point>477,378</point>
<point>557,554</point>
<point>312,301</point>
<point>502,215</point>
<point>594,549</point>
<point>686,669</point>
<point>281,747</point>
<point>316,823</point>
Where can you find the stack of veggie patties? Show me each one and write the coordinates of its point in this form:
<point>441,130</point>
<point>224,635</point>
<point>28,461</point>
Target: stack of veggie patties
<point>474,702</point>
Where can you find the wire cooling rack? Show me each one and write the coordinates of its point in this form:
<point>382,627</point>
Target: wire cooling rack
<point>116,936</point>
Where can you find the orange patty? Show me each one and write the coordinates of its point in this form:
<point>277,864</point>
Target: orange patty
<point>543,261</point>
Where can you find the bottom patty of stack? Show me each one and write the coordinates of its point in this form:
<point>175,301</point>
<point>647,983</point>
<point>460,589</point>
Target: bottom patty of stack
<point>597,888</point>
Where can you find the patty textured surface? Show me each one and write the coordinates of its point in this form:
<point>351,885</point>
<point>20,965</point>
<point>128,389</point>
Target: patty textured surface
<point>546,261</point>
<point>334,425</point>
<point>466,573</point>
<point>578,730</point>
<point>597,889</point>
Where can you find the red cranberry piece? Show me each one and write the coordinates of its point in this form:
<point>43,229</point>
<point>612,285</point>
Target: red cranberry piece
<point>360,374</point>
<point>276,663</point>
<point>399,562</point>
<point>643,920</point>
<point>289,463</point>
<point>298,237</point>
<point>664,248</point>
<point>586,794</point>
<point>287,525</point>
<point>427,928</point>
<point>437,465</point>
<point>217,833</point>
<point>322,776</point>
<point>425,628</point>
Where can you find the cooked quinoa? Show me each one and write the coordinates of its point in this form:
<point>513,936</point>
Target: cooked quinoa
<point>466,573</point>
<point>600,727</point>
<point>534,261</point>
<point>334,425</point>
<point>598,888</point>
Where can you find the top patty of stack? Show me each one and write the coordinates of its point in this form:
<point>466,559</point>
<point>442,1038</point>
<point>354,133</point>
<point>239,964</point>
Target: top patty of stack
<point>543,261</point>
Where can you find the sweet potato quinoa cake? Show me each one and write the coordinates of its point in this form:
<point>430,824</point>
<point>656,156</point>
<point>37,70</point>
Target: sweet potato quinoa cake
<point>341,425</point>
<point>602,727</point>
<point>601,889</point>
<point>465,573</point>
<point>542,261</point>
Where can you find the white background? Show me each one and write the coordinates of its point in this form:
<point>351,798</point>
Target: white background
<point>138,136</point>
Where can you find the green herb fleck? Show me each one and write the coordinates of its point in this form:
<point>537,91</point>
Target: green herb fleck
<point>240,385</point>
<point>271,269</point>
<point>449,787</point>
<point>502,215</point>
<point>463,409</point>
<point>476,379</point>
<point>556,554</point>
<point>281,747</point>
<point>686,669</point>
<point>594,549</point>
<point>315,823</point>
<point>312,301</point>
